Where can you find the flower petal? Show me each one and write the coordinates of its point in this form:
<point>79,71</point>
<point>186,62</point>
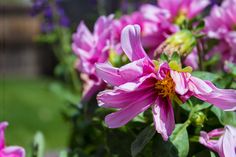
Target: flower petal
<point>109,74</point>
<point>205,140</point>
<point>199,86</point>
<point>131,42</point>
<point>82,38</point>
<point>13,151</point>
<point>222,98</point>
<point>121,98</point>
<point>180,79</point>
<point>229,142</point>
<point>123,116</point>
<point>163,116</point>
<point>3,125</point>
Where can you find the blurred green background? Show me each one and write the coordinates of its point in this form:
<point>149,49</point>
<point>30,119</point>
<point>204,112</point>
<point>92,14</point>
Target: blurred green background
<point>29,105</point>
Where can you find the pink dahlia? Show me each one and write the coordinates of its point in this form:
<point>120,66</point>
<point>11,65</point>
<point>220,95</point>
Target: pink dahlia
<point>221,25</point>
<point>92,48</point>
<point>222,141</point>
<point>10,151</point>
<point>144,83</point>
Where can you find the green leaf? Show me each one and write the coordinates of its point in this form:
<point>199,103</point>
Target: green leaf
<point>212,154</point>
<point>206,75</point>
<point>225,117</point>
<point>175,57</point>
<point>164,57</point>
<point>142,139</point>
<point>179,139</point>
<point>202,106</point>
<point>163,148</point>
<point>176,146</point>
<point>38,145</point>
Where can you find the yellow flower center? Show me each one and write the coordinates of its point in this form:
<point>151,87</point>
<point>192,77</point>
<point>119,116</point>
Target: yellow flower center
<point>166,87</point>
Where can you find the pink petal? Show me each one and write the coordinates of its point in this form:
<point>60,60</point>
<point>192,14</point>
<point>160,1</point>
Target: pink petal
<point>172,6</point>
<point>109,74</point>
<point>229,142</point>
<point>120,98</point>
<point>123,116</point>
<point>180,79</point>
<point>131,42</point>
<point>83,38</point>
<point>163,116</point>
<point>206,141</point>
<point>3,125</point>
<point>198,86</point>
<point>163,70</point>
<point>102,24</point>
<point>222,98</point>
<point>196,7</point>
<point>13,151</point>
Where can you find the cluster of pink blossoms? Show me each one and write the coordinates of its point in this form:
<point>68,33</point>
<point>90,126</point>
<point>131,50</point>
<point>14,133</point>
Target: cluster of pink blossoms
<point>10,151</point>
<point>156,22</point>
<point>144,83</point>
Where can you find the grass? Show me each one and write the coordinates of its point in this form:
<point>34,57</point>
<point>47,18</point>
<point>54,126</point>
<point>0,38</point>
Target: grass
<point>29,106</point>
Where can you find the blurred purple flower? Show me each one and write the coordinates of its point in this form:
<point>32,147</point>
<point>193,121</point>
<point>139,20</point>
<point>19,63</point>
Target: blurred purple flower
<point>92,48</point>
<point>221,25</point>
<point>53,13</point>
<point>38,6</point>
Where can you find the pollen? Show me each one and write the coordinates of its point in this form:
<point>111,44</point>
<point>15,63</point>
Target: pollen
<point>166,87</point>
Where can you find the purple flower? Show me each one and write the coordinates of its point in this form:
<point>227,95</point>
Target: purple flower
<point>10,151</point>
<point>220,24</point>
<point>92,48</point>
<point>144,83</point>
<point>38,6</point>
<point>222,141</point>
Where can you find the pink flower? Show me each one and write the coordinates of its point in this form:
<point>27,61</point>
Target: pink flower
<point>92,48</point>
<point>154,24</point>
<point>11,151</point>
<point>220,24</point>
<point>143,83</point>
<point>183,8</point>
<point>225,146</point>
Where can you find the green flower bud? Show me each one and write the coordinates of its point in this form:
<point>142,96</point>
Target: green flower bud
<point>198,119</point>
<point>181,42</point>
<point>117,60</point>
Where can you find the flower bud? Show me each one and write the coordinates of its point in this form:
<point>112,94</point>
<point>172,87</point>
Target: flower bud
<point>198,119</point>
<point>117,60</point>
<point>181,42</point>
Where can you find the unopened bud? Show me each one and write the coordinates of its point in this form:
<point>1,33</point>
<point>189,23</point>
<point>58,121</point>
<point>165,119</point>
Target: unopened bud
<point>117,60</point>
<point>181,42</point>
<point>198,119</point>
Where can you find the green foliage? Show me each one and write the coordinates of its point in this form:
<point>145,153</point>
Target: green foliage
<point>206,75</point>
<point>179,139</point>
<point>225,117</point>
<point>142,139</point>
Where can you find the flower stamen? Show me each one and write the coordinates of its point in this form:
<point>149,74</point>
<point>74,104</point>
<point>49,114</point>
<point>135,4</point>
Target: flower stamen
<point>166,87</point>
